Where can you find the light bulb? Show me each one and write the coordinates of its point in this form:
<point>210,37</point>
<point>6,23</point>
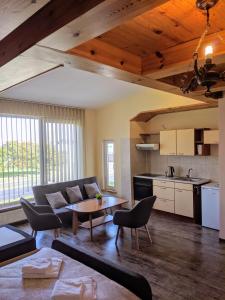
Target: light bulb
<point>208,52</point>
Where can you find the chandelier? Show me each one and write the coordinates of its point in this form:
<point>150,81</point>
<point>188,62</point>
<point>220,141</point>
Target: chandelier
<point>207,75</point>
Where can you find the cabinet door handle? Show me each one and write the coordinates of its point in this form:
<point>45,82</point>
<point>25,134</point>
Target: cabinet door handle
<point>180,191</point>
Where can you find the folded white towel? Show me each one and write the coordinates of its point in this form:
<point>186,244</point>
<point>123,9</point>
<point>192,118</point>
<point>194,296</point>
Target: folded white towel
<point>42,268</point>
<point>37,266</point>
<point>83,288</point>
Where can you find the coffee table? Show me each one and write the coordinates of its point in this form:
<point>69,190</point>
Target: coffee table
<point>91,206</point>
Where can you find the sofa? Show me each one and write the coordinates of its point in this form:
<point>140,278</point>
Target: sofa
<point>63,213</point>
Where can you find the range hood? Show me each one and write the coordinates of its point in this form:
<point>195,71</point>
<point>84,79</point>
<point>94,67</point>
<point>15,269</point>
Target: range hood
<point>147,146</point>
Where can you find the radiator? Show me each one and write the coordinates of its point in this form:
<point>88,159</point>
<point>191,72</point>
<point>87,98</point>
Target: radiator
<point>12,216</point>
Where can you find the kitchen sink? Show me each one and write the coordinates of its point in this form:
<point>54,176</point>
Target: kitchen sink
<point>187,179</point>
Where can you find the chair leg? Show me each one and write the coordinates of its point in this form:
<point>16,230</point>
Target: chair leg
<point>32,233</point>
<point>136,238</point>
<point>35,234</point>
<point>117,234</point>
<point>55,233</point>
<point>149,235</point>
<point>59,232</point>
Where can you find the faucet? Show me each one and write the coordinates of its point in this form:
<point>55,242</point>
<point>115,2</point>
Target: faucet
<point>189,173</point>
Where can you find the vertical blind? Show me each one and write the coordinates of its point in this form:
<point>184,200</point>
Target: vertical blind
<point>39,150</point>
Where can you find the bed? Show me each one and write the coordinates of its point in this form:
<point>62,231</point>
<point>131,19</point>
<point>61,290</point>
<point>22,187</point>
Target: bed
<point>113,282</point>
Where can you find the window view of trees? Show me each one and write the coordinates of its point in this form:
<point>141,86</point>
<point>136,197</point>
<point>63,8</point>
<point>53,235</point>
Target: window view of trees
<point>33,151</point>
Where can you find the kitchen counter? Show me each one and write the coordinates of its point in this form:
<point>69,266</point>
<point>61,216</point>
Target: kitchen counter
<point>194,181</point>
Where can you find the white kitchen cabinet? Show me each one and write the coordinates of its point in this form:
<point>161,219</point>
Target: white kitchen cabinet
<point>164,205</point>
<point>168,142</point>
<point>186,142</point>
<point>164,191</point>
<point>211,137</point>
<point>184,203</point>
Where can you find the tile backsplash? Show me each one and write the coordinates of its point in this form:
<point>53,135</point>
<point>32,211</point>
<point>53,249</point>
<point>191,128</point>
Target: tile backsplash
<point>203,166</point>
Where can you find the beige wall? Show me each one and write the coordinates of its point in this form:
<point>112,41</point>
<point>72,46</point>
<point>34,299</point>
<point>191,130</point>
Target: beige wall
<point>113,122</point>
<point>90,142</point>
<point>222,166</point>
<point>204,118</point>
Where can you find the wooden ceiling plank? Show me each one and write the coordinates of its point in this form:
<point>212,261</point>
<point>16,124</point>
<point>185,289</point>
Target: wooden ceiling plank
<point>148,115</point>
<point>105,53</point>
<point>57,13</point>
<point>178,59</point>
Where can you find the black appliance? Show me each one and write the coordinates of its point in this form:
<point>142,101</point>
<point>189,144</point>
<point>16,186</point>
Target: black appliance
<point>197,195</point>
<point>143,188</point>
<point>171,171</point>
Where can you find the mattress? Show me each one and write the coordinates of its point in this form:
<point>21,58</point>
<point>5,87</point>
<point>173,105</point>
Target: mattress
<point>13,286</point>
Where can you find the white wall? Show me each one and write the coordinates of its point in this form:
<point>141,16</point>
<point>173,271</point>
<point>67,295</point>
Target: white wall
<point>222,166</point>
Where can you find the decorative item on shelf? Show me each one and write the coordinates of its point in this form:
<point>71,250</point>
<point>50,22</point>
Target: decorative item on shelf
<point>207,75</point>
<point>99,198</point>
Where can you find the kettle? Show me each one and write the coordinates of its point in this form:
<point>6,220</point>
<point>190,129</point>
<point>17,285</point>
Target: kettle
<point>171,171</point>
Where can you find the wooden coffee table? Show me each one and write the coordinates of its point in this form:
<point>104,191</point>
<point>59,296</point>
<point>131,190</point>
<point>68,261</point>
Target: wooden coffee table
<point>91,206</point>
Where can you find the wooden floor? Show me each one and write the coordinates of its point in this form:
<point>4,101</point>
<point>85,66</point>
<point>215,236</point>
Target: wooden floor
<point>184,261</point>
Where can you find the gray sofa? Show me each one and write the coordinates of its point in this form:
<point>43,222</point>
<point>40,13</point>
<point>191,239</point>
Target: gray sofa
<point>63,213</point>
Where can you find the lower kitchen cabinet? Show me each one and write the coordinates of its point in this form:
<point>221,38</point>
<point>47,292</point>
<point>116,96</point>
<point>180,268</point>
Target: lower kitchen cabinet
<point>184,203</point>
<point>164,205</point>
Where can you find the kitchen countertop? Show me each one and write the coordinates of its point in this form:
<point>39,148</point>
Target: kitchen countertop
<point>194,181</point>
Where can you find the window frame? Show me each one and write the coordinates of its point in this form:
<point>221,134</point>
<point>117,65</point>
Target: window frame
<point>105,166</point>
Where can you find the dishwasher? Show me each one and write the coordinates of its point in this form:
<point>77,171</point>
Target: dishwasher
<point>211,206</point>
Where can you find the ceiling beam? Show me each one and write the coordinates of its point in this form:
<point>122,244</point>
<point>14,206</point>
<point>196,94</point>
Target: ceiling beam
<point>105,53</point>
<point>178,59</point>
<point>148,115</point>
<point>59,57</point>
<point>92,17</point>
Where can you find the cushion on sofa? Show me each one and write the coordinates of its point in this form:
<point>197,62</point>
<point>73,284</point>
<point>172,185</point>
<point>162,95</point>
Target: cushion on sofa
<point>56,200</point>
<point>74,194</point>
<point>92,189</point>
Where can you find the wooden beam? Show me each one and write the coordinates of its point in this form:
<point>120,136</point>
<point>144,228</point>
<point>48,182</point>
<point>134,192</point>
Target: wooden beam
<point>148,115</point>
<point>59,57</point>
<point>178,59</point>
<point>57,13</point>
<point>105,53</point>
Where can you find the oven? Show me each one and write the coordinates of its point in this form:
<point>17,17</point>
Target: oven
<point>142,187</point>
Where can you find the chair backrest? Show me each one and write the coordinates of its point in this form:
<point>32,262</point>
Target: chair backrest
<point>30,213</point>
<point>142,211</point>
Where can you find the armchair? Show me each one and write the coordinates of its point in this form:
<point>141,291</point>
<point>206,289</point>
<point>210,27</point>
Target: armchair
<point>135,218</point>
<point>41,217</point>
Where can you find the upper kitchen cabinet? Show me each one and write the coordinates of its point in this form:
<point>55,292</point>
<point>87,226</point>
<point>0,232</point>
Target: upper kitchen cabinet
<point>211,136</point>
<point>186,142</point>
<point>168,142</point>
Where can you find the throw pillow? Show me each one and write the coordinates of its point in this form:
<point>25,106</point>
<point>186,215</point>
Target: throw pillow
<point>92,189</point>
<point>56,200</point>
<point>74,194</point>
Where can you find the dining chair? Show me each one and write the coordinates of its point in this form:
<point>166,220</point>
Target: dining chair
<point>135,218</point>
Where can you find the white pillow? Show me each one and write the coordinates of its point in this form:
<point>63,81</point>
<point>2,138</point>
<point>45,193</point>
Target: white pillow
<point>74,194</point>
<point>56,200</point>
<point>92,189</point>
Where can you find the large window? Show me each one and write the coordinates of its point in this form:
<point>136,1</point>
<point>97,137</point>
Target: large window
<point>109,173</point>
<point>34,151</point>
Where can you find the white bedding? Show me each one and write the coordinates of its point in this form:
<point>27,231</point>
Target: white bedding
<point>13,287</point>
<point>8,236</point>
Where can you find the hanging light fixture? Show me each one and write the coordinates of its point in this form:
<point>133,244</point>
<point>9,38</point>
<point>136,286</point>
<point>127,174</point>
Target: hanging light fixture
<point>207,75</point>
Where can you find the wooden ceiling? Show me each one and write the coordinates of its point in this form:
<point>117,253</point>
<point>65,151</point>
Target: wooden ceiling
<point>166,26</point>
<point>146,42</point>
